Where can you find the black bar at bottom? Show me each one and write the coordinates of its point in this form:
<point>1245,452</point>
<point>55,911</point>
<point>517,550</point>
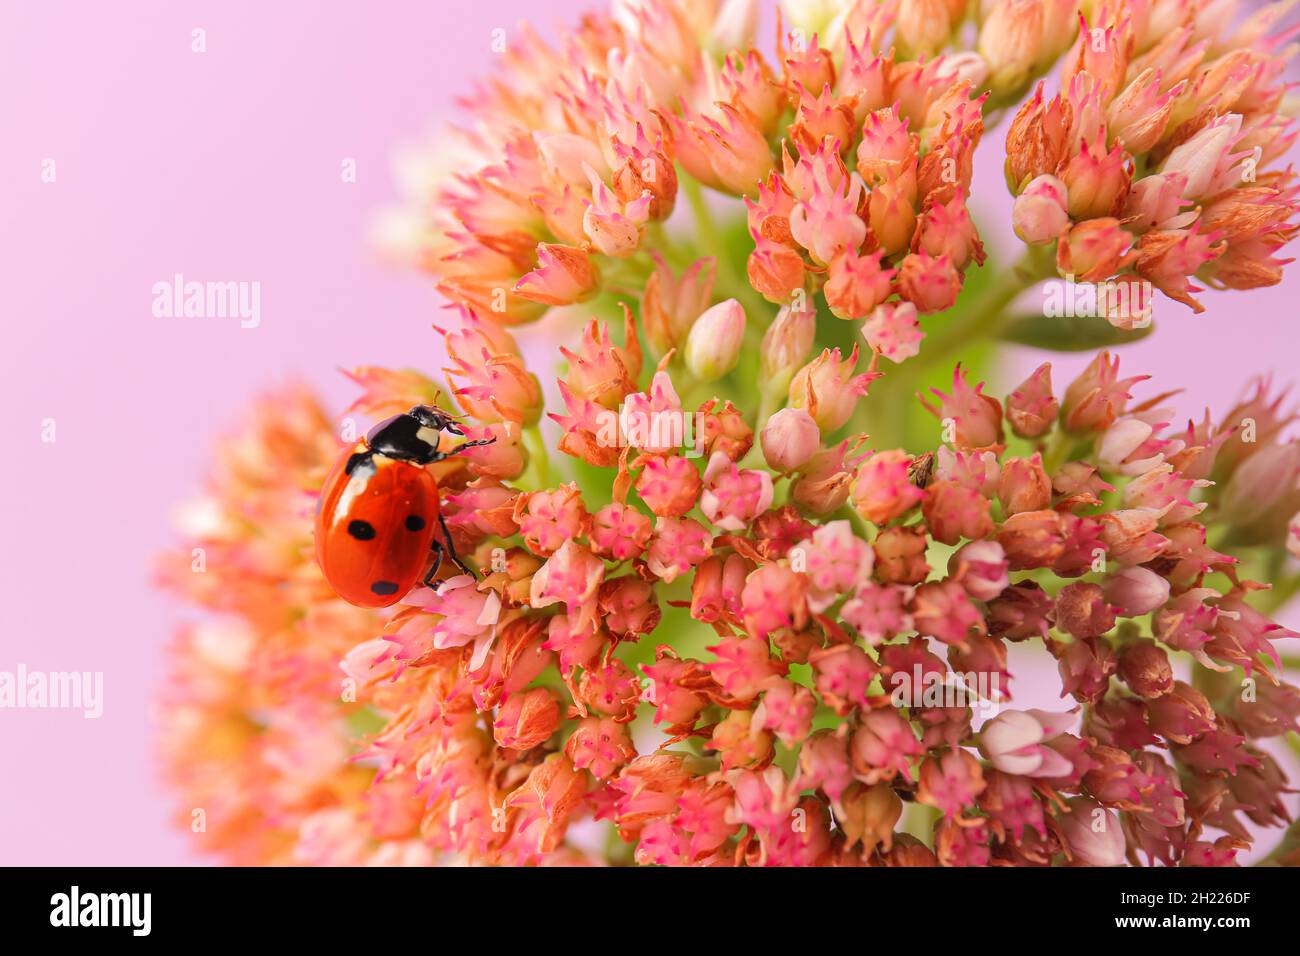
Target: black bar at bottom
<point>376,907</point>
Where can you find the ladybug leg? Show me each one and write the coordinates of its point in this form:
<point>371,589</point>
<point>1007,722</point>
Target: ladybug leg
<point>443,455</point>
<point>438,552</point>
<point>451,548</point>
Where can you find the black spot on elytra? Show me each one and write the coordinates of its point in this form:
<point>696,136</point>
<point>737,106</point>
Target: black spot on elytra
<point>384,588</point>
<point>414,523</point>
<point>361,530</point>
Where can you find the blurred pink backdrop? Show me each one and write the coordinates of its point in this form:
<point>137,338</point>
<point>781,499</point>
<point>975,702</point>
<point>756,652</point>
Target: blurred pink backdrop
<point>226,165</point>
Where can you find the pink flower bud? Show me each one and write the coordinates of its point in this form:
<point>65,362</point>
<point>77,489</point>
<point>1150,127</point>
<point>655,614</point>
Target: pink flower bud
<point>1204,157</point>
<point>668,484</point>
<point>724,430</point>
<point>1168,257</point>
<point>1093,834</point>
<point>1032,539</point>
<point>824,764</point>
<point>734,497</point>
<point>887,148</point>
<point>564,275</point>
<point>727,151</point>
<point>1023,485</point>
<point>827,388</point>
<point>977,470</point>
<point>1094,250</point>
<point>790,438</point>
<point>601,745</point>
<point>1014,742</point>
<point>1154,201</point>
<point>1126,302</point>
<point>484,507</point>
<point>900,555</point>
<point>619,532</point>
<point>882,488</point>
<point>526,719</point>
<point>774,597</point>
<point>1137,117</point>
<point>713,344</point>
<point>951,782</point>
<point>1181,715</point>
<point>1136,591</point>
<point>1144,666</point>
<point>1031,409</point>
<point>1039,213</point>
<point>748,80</point>
<point>628,607</point>
<point>1125,447</point>
<point>1273,712</point>
<point>678,545</point>
<point>894,331</point>
<point>1019,612</point>
<point>837,560</point>
<point>716,589</point>
<point>1130,536</point>
<point>856,284</point>
<point>1262,480</point>
<point>823,484</point>
<point>878,612</point>
<point>923,26</point>
<point>928,282</point>
<point>946,229</point>
<point>785,346</point>
<point>975,418</point>
<point>1097,397</point>
<point>954,511</point>
<point>1097,180</point>
<point>499,388</point>
<point>981,568</point>
<point>882,747</point>
<point>1082,611</point>
<point>892,214</point>
<point>1012,40</point>
<point>775,271</point>
<point>942,610</point>
<point>827,223</point>
<point>787,710</point>
<point>740,742</point>
<point>614,227</point>
<point>571,575</point>
<point>547,519</point>
<point>1040,134</point>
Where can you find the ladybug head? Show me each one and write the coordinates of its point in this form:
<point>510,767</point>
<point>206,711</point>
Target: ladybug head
<point>430,416</point>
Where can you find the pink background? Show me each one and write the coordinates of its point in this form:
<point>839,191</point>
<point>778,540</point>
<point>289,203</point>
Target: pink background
<point>226,166</point>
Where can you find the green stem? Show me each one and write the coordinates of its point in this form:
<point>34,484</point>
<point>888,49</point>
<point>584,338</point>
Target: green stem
<point>987,315</point>
<point>972,323</point>
<point>1057,451</point>
<point>730,284</point>
<point>705,226</point>
<point>539,461</point>
<point>770,400</point>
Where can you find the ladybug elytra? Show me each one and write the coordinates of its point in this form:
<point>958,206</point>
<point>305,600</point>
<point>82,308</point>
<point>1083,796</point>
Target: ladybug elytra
<point>378,516</point>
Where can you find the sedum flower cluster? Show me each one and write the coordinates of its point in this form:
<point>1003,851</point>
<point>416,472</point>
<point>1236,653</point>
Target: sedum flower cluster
<point>756,545</point>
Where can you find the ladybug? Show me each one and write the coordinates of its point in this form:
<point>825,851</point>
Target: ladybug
<point>378,507</point>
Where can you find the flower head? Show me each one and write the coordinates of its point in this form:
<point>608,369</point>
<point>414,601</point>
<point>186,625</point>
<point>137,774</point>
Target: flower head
<point>747,581</point>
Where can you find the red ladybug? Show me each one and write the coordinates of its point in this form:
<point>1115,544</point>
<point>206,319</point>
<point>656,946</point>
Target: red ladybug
<point>375,520</point>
